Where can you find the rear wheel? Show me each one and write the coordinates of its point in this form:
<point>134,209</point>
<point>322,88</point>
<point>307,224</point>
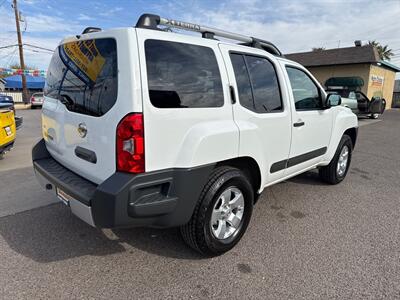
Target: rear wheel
<point>337,169</point>
<point>222,213</point>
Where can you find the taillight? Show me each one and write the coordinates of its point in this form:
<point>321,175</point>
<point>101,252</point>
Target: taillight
<point>130,144</point>
<point>32,99</point>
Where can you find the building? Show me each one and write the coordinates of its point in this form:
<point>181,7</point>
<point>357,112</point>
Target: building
<point>33,83</point>
<point>12,86</point>
<point>396,94</point>
<point>353,68</point>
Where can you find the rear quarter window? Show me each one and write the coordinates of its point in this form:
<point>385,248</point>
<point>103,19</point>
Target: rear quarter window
<point>182,75</point>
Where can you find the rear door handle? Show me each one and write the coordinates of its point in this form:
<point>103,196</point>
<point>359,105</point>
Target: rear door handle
<point>299,124</point>
<point>86,154</point>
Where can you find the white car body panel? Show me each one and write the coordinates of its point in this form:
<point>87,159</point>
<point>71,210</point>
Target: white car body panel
<point>61,124</point>
<point>190,137</point>
<point>263,136</point>
<point>317,129</point>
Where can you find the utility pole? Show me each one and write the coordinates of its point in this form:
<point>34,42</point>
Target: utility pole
<point>21,53</point>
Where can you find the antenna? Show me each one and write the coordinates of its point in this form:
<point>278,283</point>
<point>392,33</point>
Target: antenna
<point>150,21</point>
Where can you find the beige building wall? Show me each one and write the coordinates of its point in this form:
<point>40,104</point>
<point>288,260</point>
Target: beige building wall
<point>323,73</point>
<point>384,89</point>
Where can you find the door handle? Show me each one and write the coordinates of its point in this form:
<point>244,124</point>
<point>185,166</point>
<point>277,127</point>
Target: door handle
<point>298,124</point>
<point>232,93</point>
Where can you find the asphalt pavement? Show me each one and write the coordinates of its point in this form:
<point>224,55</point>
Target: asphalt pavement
<point>307,240</point>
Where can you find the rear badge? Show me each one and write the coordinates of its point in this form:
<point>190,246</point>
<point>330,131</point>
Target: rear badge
<point>82,130</point>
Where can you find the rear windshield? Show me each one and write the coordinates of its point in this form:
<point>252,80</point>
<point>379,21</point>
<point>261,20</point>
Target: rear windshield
<point>83,76</point>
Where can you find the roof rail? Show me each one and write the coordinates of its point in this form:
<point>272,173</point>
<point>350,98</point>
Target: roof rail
<point>150,21</point>
<point>91,29</point>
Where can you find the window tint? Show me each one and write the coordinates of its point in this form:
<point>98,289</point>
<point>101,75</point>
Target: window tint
<point>305,92</point>
<point>182,75</point>
<point>257,83</point>
<point>242,81</point>
<point>84,76</point>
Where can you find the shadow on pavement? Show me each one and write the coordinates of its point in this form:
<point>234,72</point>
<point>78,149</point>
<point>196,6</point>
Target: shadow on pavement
<point>52,233</point>
<point>310,178</point>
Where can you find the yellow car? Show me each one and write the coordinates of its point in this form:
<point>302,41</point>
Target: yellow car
<point>7,130</point>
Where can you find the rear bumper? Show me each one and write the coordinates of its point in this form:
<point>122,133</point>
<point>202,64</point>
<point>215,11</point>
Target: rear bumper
<point>6,147</point>
<point>18,122</point>
<point>162,199</point>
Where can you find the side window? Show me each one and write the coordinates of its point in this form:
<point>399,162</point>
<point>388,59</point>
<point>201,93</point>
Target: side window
<point>242,81</point>
<point>257,83</point>
<point>305,93</point>
<point>182,75</point>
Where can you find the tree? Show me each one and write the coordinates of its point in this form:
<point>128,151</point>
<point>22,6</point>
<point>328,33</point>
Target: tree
<point>383,51</point>
<point>314,49</point>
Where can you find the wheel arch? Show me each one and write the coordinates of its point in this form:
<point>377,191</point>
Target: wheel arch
<point>352,133</point>
<point>345,122</point>
<point>250,167</point>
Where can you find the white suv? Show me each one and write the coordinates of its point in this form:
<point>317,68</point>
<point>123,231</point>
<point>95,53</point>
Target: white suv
<point>145,127</point>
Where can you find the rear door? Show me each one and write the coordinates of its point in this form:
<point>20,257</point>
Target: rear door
<point>261,111</point>
<point>90,87</point>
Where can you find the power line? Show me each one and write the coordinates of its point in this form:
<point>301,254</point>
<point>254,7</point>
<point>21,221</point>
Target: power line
<point>9,46</point>
<point>38,47</point>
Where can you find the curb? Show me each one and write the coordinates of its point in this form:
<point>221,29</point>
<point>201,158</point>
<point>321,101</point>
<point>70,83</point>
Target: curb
<point>19,106</point>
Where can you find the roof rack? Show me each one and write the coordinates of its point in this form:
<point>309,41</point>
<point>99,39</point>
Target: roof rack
<point>150,21</point>
<point>91,29</point>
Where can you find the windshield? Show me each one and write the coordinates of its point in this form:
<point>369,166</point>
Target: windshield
<point>83,76</point>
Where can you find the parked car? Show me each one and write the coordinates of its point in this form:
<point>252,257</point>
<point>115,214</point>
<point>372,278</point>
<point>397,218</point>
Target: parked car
<point>7,102</point>
<point>163,129</point>
<point>7,130</point>
<point>359,103</point>
<point>37,100</point>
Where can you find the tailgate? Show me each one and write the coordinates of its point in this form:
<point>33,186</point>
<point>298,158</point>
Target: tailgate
<point>7,126</point>
<point>85,99</point>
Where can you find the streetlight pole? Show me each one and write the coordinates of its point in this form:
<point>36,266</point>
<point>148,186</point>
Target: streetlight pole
<point>21,54</point>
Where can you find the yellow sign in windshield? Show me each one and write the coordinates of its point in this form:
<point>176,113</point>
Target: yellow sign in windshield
<point>86,56</point>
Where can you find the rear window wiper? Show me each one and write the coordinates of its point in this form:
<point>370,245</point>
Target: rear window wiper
<point>65,99</point>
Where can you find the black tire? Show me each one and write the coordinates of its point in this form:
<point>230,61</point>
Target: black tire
<point>373,116</point>
<point>383,106</point>
<point>329,173</point>
<point>197,233</point>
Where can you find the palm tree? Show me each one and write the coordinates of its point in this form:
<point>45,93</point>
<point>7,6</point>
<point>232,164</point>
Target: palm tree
<point>384,52</point>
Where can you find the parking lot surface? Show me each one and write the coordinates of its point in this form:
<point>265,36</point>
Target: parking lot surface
<point>307,240</point>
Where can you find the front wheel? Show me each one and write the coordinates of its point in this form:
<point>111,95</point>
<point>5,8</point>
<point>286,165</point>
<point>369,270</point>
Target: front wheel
<point>337,169</point>
<point>222,213</point>
<point>373,116</point>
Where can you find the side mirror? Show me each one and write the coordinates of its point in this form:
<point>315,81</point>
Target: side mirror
<point>333,100</point>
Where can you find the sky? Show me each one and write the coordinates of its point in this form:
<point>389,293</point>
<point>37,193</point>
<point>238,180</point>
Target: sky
<point>294,26</point>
